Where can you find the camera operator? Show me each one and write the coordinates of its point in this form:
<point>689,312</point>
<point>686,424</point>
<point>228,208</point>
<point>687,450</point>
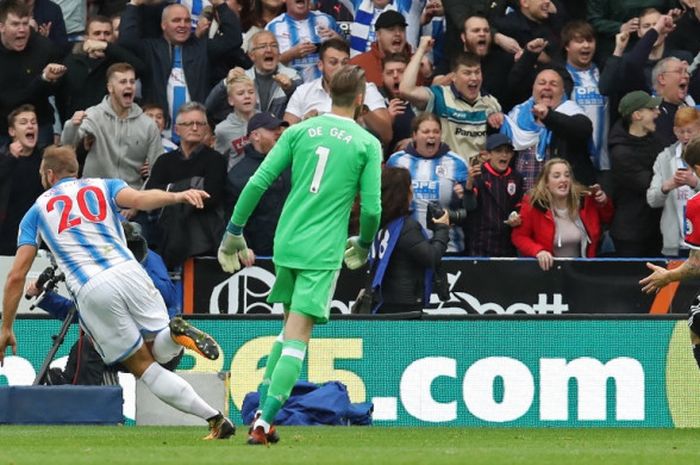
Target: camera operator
<point>404,259</point>
<point>437,174</point>
<point>84,365</point>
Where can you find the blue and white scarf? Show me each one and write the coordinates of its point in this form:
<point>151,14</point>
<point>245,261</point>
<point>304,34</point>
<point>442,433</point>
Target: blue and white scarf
<point>383,246</point>
<point>522,128</point>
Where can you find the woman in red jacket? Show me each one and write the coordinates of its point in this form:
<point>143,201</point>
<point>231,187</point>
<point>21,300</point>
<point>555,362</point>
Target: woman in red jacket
<point>560,217</point>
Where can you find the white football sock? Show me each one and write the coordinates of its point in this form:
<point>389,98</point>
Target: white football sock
<point>176,392</point>
<point>164,348</point>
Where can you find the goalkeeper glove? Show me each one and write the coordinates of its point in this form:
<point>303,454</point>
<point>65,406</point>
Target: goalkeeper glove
<point>229,248</point>
<point>355,254</point>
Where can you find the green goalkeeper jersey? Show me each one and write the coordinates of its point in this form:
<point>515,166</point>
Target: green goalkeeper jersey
<point>332,158</point>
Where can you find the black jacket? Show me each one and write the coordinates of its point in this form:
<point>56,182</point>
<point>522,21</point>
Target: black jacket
<point>632,166</point>
<point>260,228</point>
<point>570,137</point>
<point>20,79</point>
<point>403,283</point>
<point>198,55</point>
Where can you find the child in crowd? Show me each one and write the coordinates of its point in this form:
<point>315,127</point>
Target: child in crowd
<point>230,134</point>
<point>158,115</point>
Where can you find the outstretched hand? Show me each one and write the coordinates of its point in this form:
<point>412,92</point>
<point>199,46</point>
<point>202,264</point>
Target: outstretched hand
<point>194,197</point>
<point>656,280</point>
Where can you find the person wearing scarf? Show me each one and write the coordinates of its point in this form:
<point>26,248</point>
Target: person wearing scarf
<point>548,125</point>
<point>403,258</point>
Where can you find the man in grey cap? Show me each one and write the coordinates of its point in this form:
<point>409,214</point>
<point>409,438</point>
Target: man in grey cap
<point>263,131</point>
<point>634,147</point>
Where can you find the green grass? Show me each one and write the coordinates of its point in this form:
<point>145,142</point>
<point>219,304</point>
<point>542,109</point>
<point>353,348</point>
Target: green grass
<point>58,445</point>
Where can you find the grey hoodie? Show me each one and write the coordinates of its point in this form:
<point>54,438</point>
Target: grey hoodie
<point>121,146</point>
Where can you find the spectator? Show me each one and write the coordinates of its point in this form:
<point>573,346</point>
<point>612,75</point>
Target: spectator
<point>300,33</point>
<point>312,98</point>
<point>85,82</point>
<point>637,65</point>
<point>463,110</point>
<point>274,82</point>
<point>633,151</point>
<point>578,39</point>
<point>366,13</point>
<point>29,70</point>
<point>47,20</point>
<point>435,172</point>
<point>188,232</point>
<point>535,19</point>
<point>160,117</point>
<point>671,78</point>
<point>493,191</point>
<point>20,183</point>
<point>457,12</point>
<point>121,141</point>
<point>263,131</point>
<point>560,218</point>
<point>674,183</point>
<point>230,134</point>
<point>495,62</point>
<point>400,110</point>
<point>391,38</point>
<point>548,125</point>
<point>402,279</point>
<point>610,18</point>
<point>180,63</point>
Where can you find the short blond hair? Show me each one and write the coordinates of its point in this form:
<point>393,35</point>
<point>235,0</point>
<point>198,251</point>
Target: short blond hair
<point>60,159</point>
<point>241,79</point>
<point>347,83</point>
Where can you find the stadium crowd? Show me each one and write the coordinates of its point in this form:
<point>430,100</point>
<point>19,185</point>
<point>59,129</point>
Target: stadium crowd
<point>548,127</point>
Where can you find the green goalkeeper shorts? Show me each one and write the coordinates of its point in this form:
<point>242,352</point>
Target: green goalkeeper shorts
<point>308,292</point>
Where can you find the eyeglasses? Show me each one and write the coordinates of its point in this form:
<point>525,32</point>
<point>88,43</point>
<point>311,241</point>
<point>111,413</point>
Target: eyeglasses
<point>189,124</point>
<point>682,72</point>
<point>265,46</point>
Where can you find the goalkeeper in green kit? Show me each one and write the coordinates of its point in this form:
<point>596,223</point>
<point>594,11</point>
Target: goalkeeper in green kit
<point>332,158</point>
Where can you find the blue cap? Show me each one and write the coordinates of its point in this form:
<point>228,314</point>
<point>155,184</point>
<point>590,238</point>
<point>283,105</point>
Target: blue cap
<point>496,140</point>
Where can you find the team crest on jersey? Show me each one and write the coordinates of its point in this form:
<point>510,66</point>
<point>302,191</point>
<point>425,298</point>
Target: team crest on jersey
<point>511,188</point>
<point>440,171</point>
<point>688,227</point>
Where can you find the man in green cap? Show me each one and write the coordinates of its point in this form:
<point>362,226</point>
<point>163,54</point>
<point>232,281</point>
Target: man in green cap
<point>633,149</point>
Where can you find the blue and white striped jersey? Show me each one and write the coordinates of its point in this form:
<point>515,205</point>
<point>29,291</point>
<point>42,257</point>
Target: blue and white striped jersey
<point>595,105</point>
<point>290,32</point>
<point>433,180</point>
<point>79,221</point>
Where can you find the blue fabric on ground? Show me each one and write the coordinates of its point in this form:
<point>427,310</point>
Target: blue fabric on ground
<point>314,404</point>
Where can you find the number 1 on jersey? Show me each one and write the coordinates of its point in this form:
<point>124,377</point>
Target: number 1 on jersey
<point>322,153</point>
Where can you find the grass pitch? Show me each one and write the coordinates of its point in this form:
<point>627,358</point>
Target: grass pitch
<point>74,445</point>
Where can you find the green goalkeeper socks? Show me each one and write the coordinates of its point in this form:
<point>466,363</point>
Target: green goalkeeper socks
<point>272,359</point>
<point>284,377</point>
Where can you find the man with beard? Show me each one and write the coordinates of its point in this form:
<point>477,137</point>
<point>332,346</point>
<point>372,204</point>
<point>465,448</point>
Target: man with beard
<point>671,79</point>
<point>119,137</point>
<point>313,98</point>
<point>85,80</point>
<point>464,112</point>
<point>495,62</point>
<point>391,38</point>
<point>400,110</point>
<point>29,64</point>
<point>19,175</point>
